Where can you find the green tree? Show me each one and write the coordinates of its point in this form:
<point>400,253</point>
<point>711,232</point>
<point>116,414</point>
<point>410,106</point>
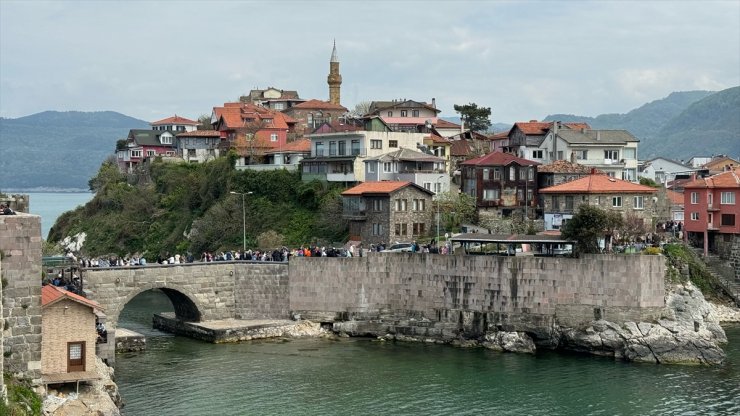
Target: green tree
<point>455,209</point>
<point>108,174</point>
<point>477,119</point>
<point>588,226</point>
<point>204,122</point>
<point>649,182</point>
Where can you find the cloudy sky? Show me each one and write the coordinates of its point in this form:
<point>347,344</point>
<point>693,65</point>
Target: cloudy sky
<point>524,59</point>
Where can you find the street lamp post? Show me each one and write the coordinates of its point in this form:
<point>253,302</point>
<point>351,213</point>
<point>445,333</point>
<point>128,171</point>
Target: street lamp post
<point>244,219</point>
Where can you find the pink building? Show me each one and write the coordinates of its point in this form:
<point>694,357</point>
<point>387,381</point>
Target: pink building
<point>711,210</point>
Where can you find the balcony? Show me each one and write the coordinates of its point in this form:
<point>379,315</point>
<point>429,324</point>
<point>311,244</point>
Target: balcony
<point>356,215</point>
<point>341,177</point>
<point>712,208</point>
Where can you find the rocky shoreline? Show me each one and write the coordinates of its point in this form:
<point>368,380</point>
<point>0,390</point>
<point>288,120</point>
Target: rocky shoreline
<point>98,398</point>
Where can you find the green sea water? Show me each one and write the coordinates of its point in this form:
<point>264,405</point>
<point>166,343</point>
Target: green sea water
<point>180,376</point>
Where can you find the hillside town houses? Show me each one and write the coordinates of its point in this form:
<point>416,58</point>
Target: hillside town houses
<point>395,157</point>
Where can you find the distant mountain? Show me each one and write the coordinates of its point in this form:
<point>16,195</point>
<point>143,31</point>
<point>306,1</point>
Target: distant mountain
<point>680,126</point>
<point>56,149</point>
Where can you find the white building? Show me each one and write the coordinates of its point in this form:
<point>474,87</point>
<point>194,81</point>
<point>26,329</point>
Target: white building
<point>664,170</point>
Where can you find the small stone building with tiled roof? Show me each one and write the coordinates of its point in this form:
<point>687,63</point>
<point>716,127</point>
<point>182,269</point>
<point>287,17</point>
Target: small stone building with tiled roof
<point>501,183</point>
<point>312,113</point>
<point>561,171</point>
<point>198,146</point>
<point>561,202</point>
<point>68,336</point>
<point>387,212</point>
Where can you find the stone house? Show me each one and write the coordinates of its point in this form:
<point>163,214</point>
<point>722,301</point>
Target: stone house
<point>525,138</point>
<point>561,171</point>
<point>387,212</point>
<point>68,336</point>
<point>313,113</point>
<point>272,98</point>
<point>721,163</point>
<point>198,146</point>
<point>425,170</point>
<point>561,202</point>
<point>501,183</point>
<point>712,211</point>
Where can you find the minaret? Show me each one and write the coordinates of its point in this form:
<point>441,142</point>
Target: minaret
<point>334,79</point>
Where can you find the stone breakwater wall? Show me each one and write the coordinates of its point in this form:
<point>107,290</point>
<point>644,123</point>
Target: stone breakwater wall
<point>446,296</point>
<point>20,250</point>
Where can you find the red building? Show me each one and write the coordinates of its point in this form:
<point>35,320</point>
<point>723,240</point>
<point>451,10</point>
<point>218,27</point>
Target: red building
<point>711,209</point>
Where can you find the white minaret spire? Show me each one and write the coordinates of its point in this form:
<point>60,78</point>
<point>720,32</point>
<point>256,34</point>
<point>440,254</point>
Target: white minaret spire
<point>334,57</point>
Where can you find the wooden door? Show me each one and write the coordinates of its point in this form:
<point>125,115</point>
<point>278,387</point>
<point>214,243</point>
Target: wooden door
<point>75,356</point>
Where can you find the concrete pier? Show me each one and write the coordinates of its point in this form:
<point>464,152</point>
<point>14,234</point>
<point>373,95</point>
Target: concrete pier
<point>129,341</point>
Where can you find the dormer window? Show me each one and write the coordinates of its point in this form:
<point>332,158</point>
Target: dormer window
<point>165,139</point>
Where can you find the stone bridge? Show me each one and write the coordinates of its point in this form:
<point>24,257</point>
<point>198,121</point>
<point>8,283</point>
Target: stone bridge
<point>198,291</point>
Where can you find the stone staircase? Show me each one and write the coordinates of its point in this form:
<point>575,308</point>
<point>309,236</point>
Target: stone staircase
<point>722,273</point>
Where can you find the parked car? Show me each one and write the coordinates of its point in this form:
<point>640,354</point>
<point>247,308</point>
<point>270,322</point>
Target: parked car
<point>398,247</point>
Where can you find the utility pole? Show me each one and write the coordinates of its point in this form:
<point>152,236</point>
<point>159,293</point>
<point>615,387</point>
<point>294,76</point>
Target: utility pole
<point>244,218</point>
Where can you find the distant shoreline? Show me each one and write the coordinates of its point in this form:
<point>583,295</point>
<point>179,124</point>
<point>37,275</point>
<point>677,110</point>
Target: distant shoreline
<point>48,190</point>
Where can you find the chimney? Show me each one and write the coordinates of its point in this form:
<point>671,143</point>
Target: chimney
<point>573,157</point>
<point>434,102</point>
<point>462,125</point>
<point>598,135</point>
<point>593,171</point>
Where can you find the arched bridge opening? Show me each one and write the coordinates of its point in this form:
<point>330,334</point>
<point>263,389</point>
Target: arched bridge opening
<point>185,309</point>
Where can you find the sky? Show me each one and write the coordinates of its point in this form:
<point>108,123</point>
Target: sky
<point>523,59</point>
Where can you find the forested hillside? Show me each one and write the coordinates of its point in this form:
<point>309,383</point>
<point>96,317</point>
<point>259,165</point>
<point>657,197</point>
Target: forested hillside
<point>59,149</point>
<point>680,126</point>
<point>176,208</point>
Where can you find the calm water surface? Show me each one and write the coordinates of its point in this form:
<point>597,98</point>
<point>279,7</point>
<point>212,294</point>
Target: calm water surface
<point>50,205</point>
<point>179,376</point>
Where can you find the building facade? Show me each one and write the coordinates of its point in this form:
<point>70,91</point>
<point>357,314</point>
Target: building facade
<point>425,170</point>
<point>711,209</point>
<point>198,146</point>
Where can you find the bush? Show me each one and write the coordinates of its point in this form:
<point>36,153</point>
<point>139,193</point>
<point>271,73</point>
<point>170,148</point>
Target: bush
<point>651,251</point>
<point>22,400</point>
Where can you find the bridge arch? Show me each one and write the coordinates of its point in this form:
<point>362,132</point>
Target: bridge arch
<point>186,304</point>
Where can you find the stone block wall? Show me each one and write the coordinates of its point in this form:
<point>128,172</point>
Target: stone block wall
<point>261,291</point>
<point>728,247</point>
<point>20,249</point>
<point>432,286</point>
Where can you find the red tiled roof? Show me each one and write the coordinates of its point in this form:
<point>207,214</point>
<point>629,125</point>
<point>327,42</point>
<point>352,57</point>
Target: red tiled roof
<point>564,166</point>
<point>598,184</point>
<point>461,147</point>
<point>339,127</point>
<point>729,179</point>
<point>200,133</point>
<point>319,105</point>
<point>499,136</point>
<point>540,128</point>
<point>298,146</point>
<point>174,120</point>
<point>676,198</point>
<point>51,294</point>
<point>444,124</point>
<point>437,139</point>
<point>719,163</point>
<point>236,114</point>
<point>382,187</point>
<point>499,159</point>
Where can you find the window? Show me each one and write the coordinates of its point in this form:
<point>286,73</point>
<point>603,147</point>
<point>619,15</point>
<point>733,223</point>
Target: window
<point>639,202</point>
<point>415,113</point>
<point>393,143</point>
<point>611,174</point>
<point>569,202</point>
<point>390,114</point>
<point>419,205</point>
<point>530,194</point>
<point>404,113</point>
<point>377,229</point>
<point>617,201</point>
<point>491,194</point>
<point>342,148</point>
<point>401,204</point>
<point>428,186</point>
<point>319,148</point>
<point>136,153</point>
<point>309,119</point>
<point>710,199</point>
<point>537,154</point>
<point>150,153</point>
<point>530,173</point>
<point>273,137</point>
<point>694,216</point>
<point>512,173</point>
<point>371,167</point>
<point>389,167</point>
<point>419,228</point>
<point>278,106</point>
<point>728,220</point>
<point>191,152</point>
<point>629,174</point>
<point>377,204</point>
<point>727,198</point>
<point>611,155</point>
<point>560,155</point>
<point>401,229</point>
<point>355,147</point>
<point>581,154</point>
<point>496,174</point>
<point>437,187</point>
<point>555,203</point>
<point>166,139</point>
<point>376,144</point>
<point>694,197</point>
<point>486,174</point>
<point>332,148</point>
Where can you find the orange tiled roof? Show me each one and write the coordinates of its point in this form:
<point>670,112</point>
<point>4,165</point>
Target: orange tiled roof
<point>174,120</point>
<point>382,187</point>
<point>437,139</point>
<point>298,146</point>
<point>499,136</point>
<point>540,128</point>
<point>676,198</point>
<point>319,105</point>
<point>598,184</point>
<point>444,124</point>
<point>729,179</point>
<point>51,294</point>
<point>200,133</point>
<point>719,163</point>
<point>236,114</point>
<point>461,147</point>
<point>499,159</point>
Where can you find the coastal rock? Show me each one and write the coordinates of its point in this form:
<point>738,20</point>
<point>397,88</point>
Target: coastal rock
<point>725,313</point>
<point>99,398</point>
<point>509,342</point>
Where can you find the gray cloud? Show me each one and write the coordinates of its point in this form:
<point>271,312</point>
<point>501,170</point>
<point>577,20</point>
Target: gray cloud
<point>523,59</point>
